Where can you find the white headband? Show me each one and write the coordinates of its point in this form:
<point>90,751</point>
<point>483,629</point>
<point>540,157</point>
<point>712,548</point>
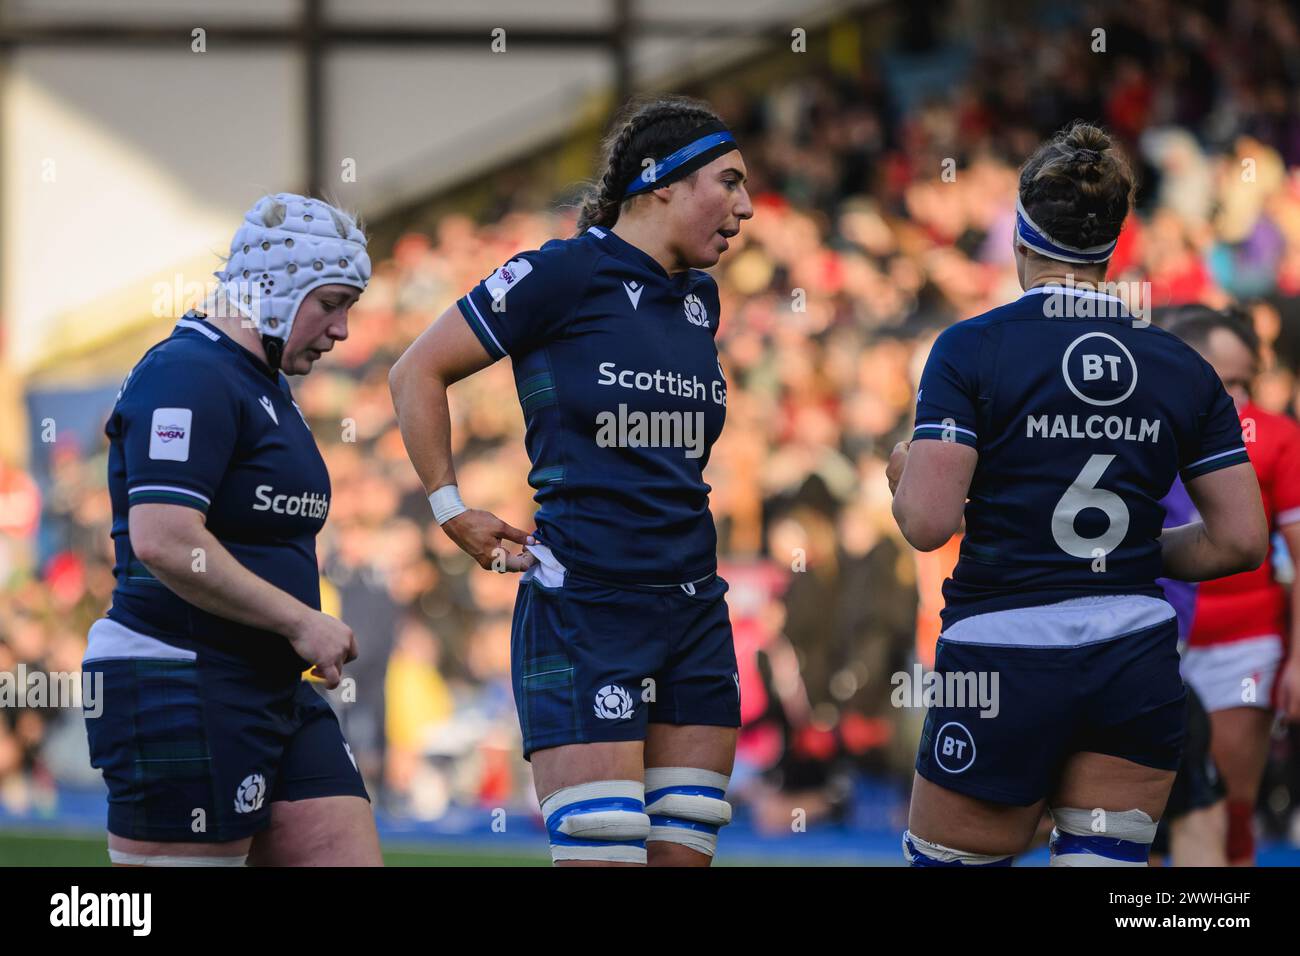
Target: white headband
<point>272,268</point>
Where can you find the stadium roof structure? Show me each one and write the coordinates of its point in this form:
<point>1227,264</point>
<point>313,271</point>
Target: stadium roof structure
<point>411,93</point>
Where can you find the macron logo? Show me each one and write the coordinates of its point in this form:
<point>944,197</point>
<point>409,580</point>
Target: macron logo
<point>266,403</point>
<point>633,290</point>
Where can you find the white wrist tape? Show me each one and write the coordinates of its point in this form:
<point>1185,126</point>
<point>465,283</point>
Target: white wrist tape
<point>446,504</point>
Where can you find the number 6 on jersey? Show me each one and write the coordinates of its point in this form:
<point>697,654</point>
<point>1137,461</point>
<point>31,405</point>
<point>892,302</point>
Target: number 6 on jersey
<point>1084,493</point>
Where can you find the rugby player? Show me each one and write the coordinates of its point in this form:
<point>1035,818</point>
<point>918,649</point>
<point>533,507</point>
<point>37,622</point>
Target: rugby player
<point>1064,422</point>
<point>214,749</point>
<point>1193,829</point>
<point>1237,656</point>
<point>623,662</point>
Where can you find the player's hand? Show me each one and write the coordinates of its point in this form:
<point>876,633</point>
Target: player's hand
<point>1288,690</point>
<point>897,460</point>
<point>481,535</point>
<point>327,644</point>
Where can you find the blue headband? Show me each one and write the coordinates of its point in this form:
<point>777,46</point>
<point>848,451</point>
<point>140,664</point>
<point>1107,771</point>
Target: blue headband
<point>681,162</point>
<point>1035,238</point>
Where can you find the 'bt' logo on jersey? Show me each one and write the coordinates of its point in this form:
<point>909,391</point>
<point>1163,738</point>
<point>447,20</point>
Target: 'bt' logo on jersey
<point>696,314</point>
<point>306,505</point>
<point>1099,370</point>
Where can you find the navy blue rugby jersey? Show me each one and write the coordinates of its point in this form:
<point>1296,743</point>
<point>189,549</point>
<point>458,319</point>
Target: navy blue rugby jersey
<point>623,396</point>
<point>203,423</point>
<point>1082,419</point>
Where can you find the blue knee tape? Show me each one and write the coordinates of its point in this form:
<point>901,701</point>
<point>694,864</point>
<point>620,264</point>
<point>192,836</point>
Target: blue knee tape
<point>605,821</point>
<point>918,852</point>
<point>1124,851</point>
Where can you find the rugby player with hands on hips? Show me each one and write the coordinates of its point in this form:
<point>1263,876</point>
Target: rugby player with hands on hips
<point>622,658</point>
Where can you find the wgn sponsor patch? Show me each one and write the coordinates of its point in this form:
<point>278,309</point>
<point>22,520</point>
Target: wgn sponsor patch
<point>169,434</point>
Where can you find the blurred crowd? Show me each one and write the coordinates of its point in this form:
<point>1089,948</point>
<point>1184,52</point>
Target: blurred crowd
<point>881,218</point>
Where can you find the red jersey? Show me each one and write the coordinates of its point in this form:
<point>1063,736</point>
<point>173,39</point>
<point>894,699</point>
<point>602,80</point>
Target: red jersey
<point>1253,604</point>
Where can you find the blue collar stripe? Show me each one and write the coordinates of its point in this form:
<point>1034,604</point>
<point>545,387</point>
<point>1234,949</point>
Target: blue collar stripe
<point>652,177</point>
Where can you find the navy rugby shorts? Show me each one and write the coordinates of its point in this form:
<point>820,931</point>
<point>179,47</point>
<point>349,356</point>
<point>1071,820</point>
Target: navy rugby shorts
<point>196,751</point>
<point>1097,674</point>
<point>591,662</point>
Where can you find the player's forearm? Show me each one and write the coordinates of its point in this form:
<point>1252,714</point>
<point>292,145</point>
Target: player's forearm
<point>199,570</point>
<point>424,419</point>
<point>1190,554</point>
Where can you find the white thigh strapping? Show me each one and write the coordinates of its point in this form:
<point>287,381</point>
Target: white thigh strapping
<point>123,858</point>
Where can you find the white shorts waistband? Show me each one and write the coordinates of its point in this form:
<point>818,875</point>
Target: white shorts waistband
<point>1073,623</point>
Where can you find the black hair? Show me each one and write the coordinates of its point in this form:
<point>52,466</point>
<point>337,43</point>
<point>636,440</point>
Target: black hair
<point>1194,323</point>
<point>644,129</point>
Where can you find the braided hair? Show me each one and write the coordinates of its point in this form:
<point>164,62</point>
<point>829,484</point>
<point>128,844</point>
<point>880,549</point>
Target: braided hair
<point>643,130</point>
<point>1078,187</point>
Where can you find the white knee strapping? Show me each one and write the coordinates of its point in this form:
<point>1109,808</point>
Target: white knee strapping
<point>123,858</point>
<point>605,820</point>
<point>686,806</point>
<point>1101,837</point>
<point>920,852</point>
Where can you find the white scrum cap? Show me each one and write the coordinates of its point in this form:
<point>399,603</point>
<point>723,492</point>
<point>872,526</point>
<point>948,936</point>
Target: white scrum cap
<point>287,246</point>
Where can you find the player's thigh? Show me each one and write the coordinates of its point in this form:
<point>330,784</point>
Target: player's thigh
<point>324,831</point>
<point>555,768</point>
<point>1103,781</point>
<point>694,745</point>
<point>571,765</point>
<point>127,852</point>
<point>963,822</point>
<point>1239,740</point>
